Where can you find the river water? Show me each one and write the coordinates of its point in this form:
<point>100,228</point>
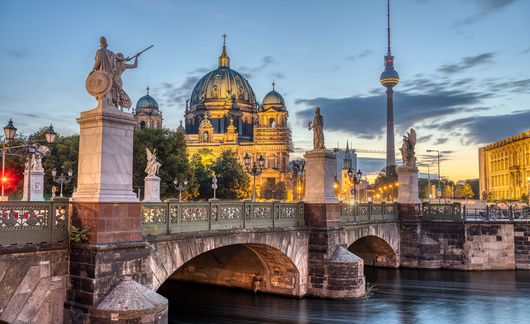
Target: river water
<point>399,296</point>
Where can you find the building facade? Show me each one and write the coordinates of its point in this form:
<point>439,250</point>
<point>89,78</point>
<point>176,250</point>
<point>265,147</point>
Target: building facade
<point>504,167</point>
<point>147,113</point>
<point>223,114</point>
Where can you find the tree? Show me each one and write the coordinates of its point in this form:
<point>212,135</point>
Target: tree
<point>386,176</point>
<point>202,178</point>
<point>171,152</point>
<point>467,191</point>
<point>276,191</point>
<point>232,181</point>
<point>524,198</point>
<point>447,191</point>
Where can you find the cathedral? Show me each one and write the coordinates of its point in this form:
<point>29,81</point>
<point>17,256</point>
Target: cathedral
<point>223,114</point>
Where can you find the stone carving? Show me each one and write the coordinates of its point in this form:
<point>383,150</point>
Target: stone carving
<point>317,125</point>
<point>35,163</point>
<point>104,81</point>
<point>152,164</point>
<point>407,149</point>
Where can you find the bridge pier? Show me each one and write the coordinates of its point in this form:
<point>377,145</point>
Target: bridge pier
<point>333,271</point>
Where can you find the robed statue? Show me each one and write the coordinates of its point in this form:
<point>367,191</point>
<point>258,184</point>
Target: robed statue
<point>317,125</point>
<point>407,149</point>
<point>152,164</point>
<point>104,81</point>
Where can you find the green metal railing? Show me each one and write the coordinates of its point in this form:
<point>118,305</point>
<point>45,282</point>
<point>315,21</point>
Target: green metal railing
<point>368,212</point>
<point>33,222</point>
<point>178,217</point>
<point>441,212</point>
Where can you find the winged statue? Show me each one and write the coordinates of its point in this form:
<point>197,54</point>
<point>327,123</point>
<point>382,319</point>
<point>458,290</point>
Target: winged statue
<point>152,164</point>
<point>407,149</point>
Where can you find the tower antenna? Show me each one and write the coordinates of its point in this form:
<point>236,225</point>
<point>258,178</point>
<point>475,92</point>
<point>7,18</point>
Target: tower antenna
<point>388,25</point>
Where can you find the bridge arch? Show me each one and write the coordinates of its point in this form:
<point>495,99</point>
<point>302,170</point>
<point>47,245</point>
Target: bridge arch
<point>376,244</point>
<point>274,262</point>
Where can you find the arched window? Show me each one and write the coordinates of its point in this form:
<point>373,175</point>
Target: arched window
<point>272,123</point>
<point>205,137</point>
<point>142,124</point>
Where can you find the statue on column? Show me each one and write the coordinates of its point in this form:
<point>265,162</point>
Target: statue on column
<point>317,125</point>
<point>152,164</point>
<point>407,149</point>
<point>104,81</point>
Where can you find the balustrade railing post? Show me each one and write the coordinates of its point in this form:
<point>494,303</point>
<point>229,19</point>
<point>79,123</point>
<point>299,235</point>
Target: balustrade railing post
<point>51,221</point>
<point>209,214</point>
<point>510,212</point>
<point>464,211</point>
<point>487,212</point>
<point>168,218</point>
<point>370,206</point>
<point>245,203</point>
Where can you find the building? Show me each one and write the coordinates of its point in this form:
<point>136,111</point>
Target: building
<point>223,114</point>
<point>504,167</point>
<point>147,113</point>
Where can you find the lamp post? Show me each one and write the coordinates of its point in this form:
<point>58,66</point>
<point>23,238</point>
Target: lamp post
<point>29,149</point>
<point>428,165</point>
<point>214,186</point>
<point>180,186</point>
<point>62,179</point>
<point>255,170</point>
<point>355,178</point>
<point>439,190</point>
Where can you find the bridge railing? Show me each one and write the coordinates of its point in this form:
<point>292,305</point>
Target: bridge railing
<point>445,212</point>
<point>178,217</point>
<point>33,222</point>
<point>368,212</point>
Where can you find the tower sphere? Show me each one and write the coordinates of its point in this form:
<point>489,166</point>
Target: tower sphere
<point>389,78</point>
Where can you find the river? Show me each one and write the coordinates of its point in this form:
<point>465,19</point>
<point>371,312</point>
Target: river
<point>399,296</point>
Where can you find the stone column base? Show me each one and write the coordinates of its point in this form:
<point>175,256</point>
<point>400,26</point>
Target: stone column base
<point>36,186</point>
<point>408,185</point>
<point>152,189</point>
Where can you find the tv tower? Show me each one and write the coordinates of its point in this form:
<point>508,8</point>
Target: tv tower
<point>389,79</point>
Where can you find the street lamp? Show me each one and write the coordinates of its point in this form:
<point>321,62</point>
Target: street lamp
<point>29,149</point>
<point>439,190</point>
<point>254,170</point>
<point>355,178</point>
<point>180,185</point>
<point>214,186</point>
<point>62,179</point>
<point>9,134</point>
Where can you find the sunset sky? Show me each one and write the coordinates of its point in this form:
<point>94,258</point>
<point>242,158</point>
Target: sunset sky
<point>464,65</point>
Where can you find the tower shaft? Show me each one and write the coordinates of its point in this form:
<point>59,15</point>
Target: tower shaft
<point>390,146</point>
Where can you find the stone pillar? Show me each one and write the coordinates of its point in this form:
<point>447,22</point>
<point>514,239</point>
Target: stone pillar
<point>105,205</point>
<point>105,156</point>
<point>408,185</point>
<point>36,186</point>
<point>321,170</point>
<point>333,271</point>
<point>152,189</point>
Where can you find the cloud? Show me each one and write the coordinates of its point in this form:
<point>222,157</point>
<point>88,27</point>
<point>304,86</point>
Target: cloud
<point>359,55</point>
<point>368,119</point>
<point>485,8</point>
<point>370,165</point>
<point>17,53</point>
<point>248,72</point>
<point>425,138</point>
<point>441,140</point>
<point>467,63</point>
<point>526,51</point>
<point>278,76</point>
<point>487,129</point>
<point>171,96</point>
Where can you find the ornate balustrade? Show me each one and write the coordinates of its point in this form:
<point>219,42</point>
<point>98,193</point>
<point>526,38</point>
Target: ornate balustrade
<point>177,217</point>
<point>444,212</point>
<point>33,222</point>
<point>368,212</point>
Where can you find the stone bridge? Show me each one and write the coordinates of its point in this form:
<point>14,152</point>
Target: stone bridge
<point>292,249</point>
<point>269,247</point>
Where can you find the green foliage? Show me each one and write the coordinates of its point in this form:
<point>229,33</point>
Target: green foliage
<point>233,182</point>
<point>370,289</point>
<point>524,198</point>
<point>467,191</point>
<point>447,191</point>
<point>276,191</point>
<point>386,176</point>
<point>488,196</point>
<point>171,152</point>
<point>78,235</point>
<point>202,178</point>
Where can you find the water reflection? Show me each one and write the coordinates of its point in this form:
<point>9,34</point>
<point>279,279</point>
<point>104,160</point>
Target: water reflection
<point>401,296</point>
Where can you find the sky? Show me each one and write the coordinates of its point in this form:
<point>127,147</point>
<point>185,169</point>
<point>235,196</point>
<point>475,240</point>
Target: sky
<point>463,64</point>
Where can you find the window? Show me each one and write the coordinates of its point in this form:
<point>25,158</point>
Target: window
<point>142,124</point>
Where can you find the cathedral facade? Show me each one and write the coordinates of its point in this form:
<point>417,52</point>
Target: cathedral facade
<point>223,114</point>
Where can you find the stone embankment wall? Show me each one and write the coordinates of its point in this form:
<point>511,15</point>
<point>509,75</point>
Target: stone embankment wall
<point>465,245</point>
<point>33,284</point>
